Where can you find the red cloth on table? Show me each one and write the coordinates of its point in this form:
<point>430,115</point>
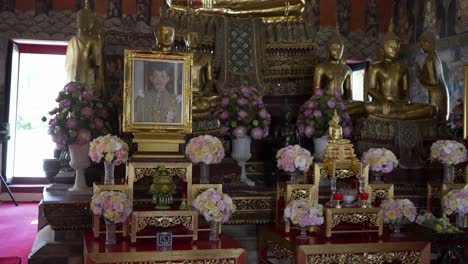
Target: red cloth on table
<point>10,260</point>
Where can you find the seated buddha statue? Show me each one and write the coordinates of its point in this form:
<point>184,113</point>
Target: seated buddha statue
<point>387,83</point>
<point>338,148</point>
<point>336,76</point>
<point>205,97</point>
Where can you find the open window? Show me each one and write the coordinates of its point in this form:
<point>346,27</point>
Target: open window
<point>358,78</point>
<point>35,74</point>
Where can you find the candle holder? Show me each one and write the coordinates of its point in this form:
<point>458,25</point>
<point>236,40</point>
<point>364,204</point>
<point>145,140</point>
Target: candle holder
<point>363,197</point>
<point>338,197</point>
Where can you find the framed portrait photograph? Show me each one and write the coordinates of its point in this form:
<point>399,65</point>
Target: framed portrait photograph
<point>157,92</point>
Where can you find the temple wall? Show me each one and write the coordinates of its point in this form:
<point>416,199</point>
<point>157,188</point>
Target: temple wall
<point>361,23</point>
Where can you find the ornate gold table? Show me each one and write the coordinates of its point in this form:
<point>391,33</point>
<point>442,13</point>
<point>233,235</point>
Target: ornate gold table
<point>145,251</point>
<point>343,248</point>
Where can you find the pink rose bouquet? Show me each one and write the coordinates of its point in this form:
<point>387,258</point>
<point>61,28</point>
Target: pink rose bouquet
<point>398,211</point>
<point>380,160</point>
<point>316,113</point>
<point>110,148</point>
<point>113,205</point>
<point>292,158</point>
<point>214,206</point>
<point>449,152</point>
<point>243,113</point>
<point>79,117</point>
<point>456,201</point>
<point>304,212</point>
<point>206,149</point>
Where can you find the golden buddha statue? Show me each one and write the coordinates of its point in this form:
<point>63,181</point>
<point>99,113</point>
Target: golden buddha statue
<point>204,96</point>
<point>387,82</point>
<point>431,76</point>
<point>84,59</point>
<point>334,75</point>
<point>164,38</point>
<point>242,8</point>
<point>338,148</point>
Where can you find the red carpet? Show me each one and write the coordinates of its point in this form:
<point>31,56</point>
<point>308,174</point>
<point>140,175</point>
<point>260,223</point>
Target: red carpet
<point>18,229</point>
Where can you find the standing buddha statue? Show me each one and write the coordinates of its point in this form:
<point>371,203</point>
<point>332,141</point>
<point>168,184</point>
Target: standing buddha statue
<point>387,83</point>
<point>431,76</point>
<point>334,75</point>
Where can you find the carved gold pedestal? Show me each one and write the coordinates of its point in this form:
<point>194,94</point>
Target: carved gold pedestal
<point>164,219</point>
<point>335,216</point>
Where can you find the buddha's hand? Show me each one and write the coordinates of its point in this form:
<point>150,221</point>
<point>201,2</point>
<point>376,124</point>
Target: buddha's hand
<point>386,107</point>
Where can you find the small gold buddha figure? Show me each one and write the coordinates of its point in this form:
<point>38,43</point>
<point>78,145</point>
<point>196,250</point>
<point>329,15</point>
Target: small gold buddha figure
<point>338,148</point>
<point>431,76</point>
<point>387,83</point>
<point>84,59</point>
<point>205,98</point>
<point>334,75</point>
<point>164,38</point>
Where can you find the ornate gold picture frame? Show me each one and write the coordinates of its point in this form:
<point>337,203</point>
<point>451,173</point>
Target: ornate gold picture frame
<point>157,92</point>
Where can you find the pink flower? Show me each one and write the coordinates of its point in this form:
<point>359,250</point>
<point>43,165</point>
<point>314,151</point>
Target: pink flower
<point>263,113</point>
<point>87,111</point>
<point>336,93</point>
<point>317,113</point>
<point>245,91</point>
<point>318,92</point>
<point>225,101</point>
<point>224,130</point>
<point>98,123</point>
<point>308,112</point>
<point>310,104</point>
<point>347,132</point>
<point>266,131</point>
<point>242,101</point>
<point>309,131</point>
<point>88,95</point>
<point>240,131</point>
<point>241,114</point>
<point>257,133</point>
<point>83,137</point>
<point>331,103</point>
<point>65,103</point>
<point>70,88</point>
<point>224,115</point>
<point>71,123</point>
<point>54,111</point>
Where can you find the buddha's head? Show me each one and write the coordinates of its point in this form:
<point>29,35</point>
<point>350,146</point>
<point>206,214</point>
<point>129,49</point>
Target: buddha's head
<point>85,20</point>
<point>165,35</point>
<point>427,41</point>
<point>390,45</point>
<point>193,40</point>
<point>335,48</point>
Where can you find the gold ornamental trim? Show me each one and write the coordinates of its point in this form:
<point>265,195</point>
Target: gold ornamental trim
<point>367,258</point>
<point>354,218</point>
<point>279,252</point>
<point>149,172</point>
<point>382,191</point>
<point>165,221</point>
<point>208,256</point>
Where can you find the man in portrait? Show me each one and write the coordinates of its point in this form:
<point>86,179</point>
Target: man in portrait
<point>158,103</point>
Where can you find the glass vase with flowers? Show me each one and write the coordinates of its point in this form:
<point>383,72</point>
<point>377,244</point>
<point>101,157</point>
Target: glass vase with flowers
<point>304,213</point>
<point>381,161</point>
<point>456,201</point>
<point>294,160</point>
<point>243,117</point>
<point>79,117</point>
<point>397,213</point>
<point>205,150</point>
<point>449,153</point>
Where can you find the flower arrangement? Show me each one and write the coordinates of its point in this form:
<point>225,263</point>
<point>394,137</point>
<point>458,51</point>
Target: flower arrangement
<point>316,113</point>
<point>455,120</point>
<point>292,158</point>
<point>456,201</point>
<point>113,205</point>
<point>304,212</point>
<point>206,149</point>
<point>214,206</point>
<point>380,160</point>
<point>243,113</point>
<point>398,211</point>
<point>79,117</point>
<point>449,152</point>
<point>441,225</point>
<point>110,148</point>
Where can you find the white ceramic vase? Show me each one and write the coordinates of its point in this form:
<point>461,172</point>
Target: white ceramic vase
<point>320,144</point>
<point>79,160</point>
<point>241,154</point>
